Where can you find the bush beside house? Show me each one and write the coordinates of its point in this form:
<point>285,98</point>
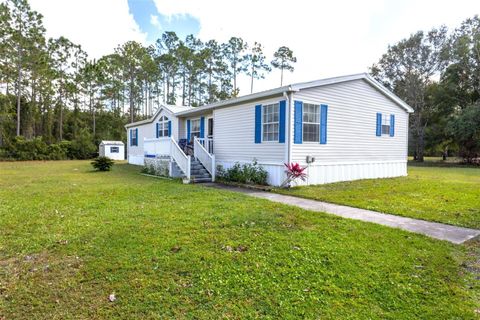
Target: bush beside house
<point>248,173</point>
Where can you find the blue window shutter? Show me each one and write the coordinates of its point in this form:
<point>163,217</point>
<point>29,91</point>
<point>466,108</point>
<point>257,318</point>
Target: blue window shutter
<point>258,123</point>
<point>188,131</point>
<point>202,127</point>
<point>169,128</point>
<point>281,130</point>
<point>392,125</point>
<point>379,124</point>
<point>131,141</point>
<point>136,137</point>
<point>323,123</point>
<point>157,129</point>
<point>298,122</point>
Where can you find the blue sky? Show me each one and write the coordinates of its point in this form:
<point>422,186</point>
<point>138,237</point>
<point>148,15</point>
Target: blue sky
<point>154,23</point>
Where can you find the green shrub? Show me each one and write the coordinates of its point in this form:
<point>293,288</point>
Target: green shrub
<point>23,149</point>
<point>249,173</point>
<point>465,129</point>
<point>57,151</point>
<point>102,164</point>
<point>35,149</point>
<point>82,146</point>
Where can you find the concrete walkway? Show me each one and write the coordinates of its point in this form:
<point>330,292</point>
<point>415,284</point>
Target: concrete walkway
<point>435,230</point>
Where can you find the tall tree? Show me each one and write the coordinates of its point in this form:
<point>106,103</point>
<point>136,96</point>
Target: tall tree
<point>283,60</point>
<point>256,64</point>
<point>216,70</point>
<point>64,56</point>
<point>463,74</point>
<point>91,76</point>
<point>167,58</point>
<point>24,29</point>
<point>234,51</point>
<point>408,68</point>
<point>132,55</point>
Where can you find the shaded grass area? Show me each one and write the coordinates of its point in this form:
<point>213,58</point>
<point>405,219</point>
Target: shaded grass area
<point>70,237</point>
<point>447,195</point>
<point>450,162</point>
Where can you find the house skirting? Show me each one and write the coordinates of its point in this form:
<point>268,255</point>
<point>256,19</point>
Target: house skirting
<point>321,173</point>
<point>276,171</point>
<point>136,160</point>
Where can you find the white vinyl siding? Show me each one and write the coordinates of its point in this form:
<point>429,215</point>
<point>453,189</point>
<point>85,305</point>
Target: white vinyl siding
<point>234,135</point>
<point>182,124</point>
<point>352,112</point>
<point>148,130</point>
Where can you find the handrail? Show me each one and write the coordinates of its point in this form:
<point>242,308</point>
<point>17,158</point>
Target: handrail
<point>207,143</point>
<point>182,160</point>
<point>207,159</point>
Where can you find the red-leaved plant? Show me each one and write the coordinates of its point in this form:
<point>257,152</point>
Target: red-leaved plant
<point>294,171</point>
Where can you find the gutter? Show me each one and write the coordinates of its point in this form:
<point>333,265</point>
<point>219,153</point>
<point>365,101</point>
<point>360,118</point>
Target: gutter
<point>239,100</point>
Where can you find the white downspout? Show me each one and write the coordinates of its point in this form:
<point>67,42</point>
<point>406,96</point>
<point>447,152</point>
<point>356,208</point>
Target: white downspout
<point>288,154</point>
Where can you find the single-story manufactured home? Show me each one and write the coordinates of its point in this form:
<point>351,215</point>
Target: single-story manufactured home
<point>114,150</point>
<point>342,128</point>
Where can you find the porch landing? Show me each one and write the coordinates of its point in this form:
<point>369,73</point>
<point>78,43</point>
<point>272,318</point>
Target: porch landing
<point>435,230</point>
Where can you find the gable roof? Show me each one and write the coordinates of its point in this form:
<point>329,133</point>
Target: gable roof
<point>302,86</point>
<point>364,76</point>
<point>169,107</point>
<point>184,110</point>
<point>117,143</point>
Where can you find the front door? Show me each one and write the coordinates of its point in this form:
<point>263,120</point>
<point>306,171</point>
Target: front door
<point>210,135</point>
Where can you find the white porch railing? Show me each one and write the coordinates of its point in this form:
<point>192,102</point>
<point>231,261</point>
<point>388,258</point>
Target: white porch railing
<point>156,147</point>
<point>207,143</point>
<point>182,160</point>
<point>207,159</point>
<point>167,147</point>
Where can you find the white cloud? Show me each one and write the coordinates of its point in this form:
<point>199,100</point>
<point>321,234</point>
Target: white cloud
<point>97,25</point>
<point>329,38</point>
<point>154,21</point>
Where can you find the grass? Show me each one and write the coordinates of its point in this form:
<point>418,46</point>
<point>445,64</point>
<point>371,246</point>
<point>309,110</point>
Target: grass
<point>70,237</point>
<point>447,195</point>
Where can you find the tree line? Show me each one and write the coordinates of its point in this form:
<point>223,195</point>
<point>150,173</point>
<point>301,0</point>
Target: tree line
<point>438,74</point>
<point>52,90</point>
<point>54,98</point>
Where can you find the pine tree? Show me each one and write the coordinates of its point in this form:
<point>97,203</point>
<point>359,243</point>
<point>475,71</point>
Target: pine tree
<point>256,64</point>
<point>283,60</point>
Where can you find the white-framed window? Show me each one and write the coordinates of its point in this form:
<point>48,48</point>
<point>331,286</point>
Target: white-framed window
<point>163,127</point>
<point>194,128</point>
<point>114,150</point>
<point>311,122</point>
<point>134,140</point>
<point>270,123</point>
<point>386,124</point>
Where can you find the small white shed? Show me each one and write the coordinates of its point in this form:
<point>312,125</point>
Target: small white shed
<point>114,150</point>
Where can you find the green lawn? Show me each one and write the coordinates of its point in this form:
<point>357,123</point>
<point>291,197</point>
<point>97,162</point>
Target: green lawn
<point>448,195</point>
<point>70,237</point>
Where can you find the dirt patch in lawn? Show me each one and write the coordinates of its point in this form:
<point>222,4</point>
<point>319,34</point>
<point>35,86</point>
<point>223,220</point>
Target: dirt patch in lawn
<point>47,281</point>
